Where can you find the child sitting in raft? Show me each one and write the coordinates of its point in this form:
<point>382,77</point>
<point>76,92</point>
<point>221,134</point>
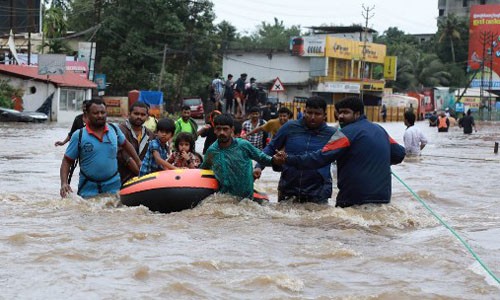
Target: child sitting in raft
<point>183,156</point>
<point>198,159</point>
<point>158,151</point>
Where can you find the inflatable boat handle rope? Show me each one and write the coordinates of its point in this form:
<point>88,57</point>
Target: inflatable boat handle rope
<point>449,228</point>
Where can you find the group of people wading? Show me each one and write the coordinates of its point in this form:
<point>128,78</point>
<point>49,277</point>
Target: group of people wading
<point>302,150</point>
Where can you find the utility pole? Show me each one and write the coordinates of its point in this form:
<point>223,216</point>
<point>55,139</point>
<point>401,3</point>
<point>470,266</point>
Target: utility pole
<point>31,26</point>
<point>97,19</point>
<point>367,15</point>
<point>165,48</point>
<point>490,83</point>
<point>486,38</point>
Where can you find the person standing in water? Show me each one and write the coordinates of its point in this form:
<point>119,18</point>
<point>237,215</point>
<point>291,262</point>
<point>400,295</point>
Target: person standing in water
<point>413,138</point>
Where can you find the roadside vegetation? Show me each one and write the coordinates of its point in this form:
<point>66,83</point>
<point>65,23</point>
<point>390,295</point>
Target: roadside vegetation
<point>136,38</point>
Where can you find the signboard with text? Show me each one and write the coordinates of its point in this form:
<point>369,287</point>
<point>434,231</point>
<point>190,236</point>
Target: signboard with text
<point>485,26</point>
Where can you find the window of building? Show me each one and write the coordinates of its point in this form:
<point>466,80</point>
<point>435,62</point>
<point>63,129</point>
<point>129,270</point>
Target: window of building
<point>71,99</point>
<point>441,12</point>
<point>482,2</point>
<point>465,3</point>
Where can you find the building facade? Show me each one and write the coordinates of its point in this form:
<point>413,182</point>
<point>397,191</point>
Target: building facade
<point>320,64</point>
<point>69,90</point>
<point>460,8</point>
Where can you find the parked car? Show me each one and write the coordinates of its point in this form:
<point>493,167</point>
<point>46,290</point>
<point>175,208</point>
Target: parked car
<point>196,105</point>
<point>12,115</point>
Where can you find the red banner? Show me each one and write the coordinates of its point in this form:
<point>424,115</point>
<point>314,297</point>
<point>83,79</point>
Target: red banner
<point>484,43</point>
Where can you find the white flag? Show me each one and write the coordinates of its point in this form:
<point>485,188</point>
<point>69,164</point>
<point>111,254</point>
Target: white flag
<point>12,46</point>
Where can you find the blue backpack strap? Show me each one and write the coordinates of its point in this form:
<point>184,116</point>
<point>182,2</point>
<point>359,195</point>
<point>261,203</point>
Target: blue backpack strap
<point>114,128</point>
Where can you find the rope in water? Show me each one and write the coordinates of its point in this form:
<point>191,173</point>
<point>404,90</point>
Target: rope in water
<point>449,228</point>
<point>461,158</point>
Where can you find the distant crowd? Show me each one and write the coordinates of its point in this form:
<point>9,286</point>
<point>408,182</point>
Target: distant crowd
<point>236,97</point>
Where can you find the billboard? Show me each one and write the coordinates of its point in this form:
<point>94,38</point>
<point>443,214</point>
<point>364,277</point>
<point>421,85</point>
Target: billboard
<point>390,67</point>
<point>307,45</point>
<point>484,44</point>
<point>51,64</point>
<point>85,51</point>
<point>351,49</point>
<point>20,16</point>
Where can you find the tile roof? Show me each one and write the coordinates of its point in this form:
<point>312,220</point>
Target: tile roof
<point>69,79</point>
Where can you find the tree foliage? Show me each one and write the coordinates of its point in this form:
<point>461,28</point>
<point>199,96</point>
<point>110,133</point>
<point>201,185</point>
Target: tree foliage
<point>268,36</point>
<point>54,29</point>
<point>134,34</point>
<point>449,32</point>
<point>7,91</point>
<point>422,64</point>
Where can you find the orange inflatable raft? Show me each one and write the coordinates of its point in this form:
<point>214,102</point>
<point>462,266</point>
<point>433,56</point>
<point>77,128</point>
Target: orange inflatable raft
<point>172,190</point>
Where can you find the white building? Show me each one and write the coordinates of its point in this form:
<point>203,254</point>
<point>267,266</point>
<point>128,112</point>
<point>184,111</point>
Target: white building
<point>69,89</point>
<point>265,67</point>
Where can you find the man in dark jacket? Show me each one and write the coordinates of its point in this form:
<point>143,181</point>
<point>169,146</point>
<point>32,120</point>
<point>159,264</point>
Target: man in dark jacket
<point>467,123</point>
<point>138,135</point>
<point>364,153</point>
<point>303,136</point>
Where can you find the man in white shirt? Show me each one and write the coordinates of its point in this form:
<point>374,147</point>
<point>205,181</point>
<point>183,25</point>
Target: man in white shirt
<point>413,138</point>
<point>218,89</point>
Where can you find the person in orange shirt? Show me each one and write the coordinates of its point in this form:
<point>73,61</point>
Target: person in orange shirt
<point>443,123</point>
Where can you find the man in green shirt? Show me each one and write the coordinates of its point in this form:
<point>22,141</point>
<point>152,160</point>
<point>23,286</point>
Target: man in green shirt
<point>185,123</point>
<point>231,160</point>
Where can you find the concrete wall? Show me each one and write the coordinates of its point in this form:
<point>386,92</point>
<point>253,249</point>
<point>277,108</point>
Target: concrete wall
<point>457,7</point>
<point>266,67</point>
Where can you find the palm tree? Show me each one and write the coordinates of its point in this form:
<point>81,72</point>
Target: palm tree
<point>54,28</point>
<point>417,70</point>
<point>448,28</point>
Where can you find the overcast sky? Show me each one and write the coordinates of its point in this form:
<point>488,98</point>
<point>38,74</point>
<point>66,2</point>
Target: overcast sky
<point>409,16</point>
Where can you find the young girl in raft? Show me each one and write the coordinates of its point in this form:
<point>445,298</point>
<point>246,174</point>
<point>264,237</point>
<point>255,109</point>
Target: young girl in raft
<point>156,157</point>
<point>198,159</point>
<point>183,156</point>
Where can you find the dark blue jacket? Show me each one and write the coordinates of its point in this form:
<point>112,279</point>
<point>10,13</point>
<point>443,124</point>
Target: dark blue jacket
<point>298,139</point>
<point>364,152</point>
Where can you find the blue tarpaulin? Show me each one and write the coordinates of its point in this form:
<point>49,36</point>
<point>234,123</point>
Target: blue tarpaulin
<point>151,97</point>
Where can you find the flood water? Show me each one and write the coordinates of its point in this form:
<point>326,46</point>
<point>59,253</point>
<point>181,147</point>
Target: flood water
<point>53,248</point>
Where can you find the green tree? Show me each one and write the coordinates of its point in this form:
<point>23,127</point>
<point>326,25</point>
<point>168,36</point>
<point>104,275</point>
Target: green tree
<point>268,36</point>
<point>449,31</point>
<point>54,29</point>
<point>417,70</point>
<point>134,34</point>
<point>81,15</point>
<point>394,37</point>
<point>7,91</point>
<point>226,34</point>
<point>275,36</point>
